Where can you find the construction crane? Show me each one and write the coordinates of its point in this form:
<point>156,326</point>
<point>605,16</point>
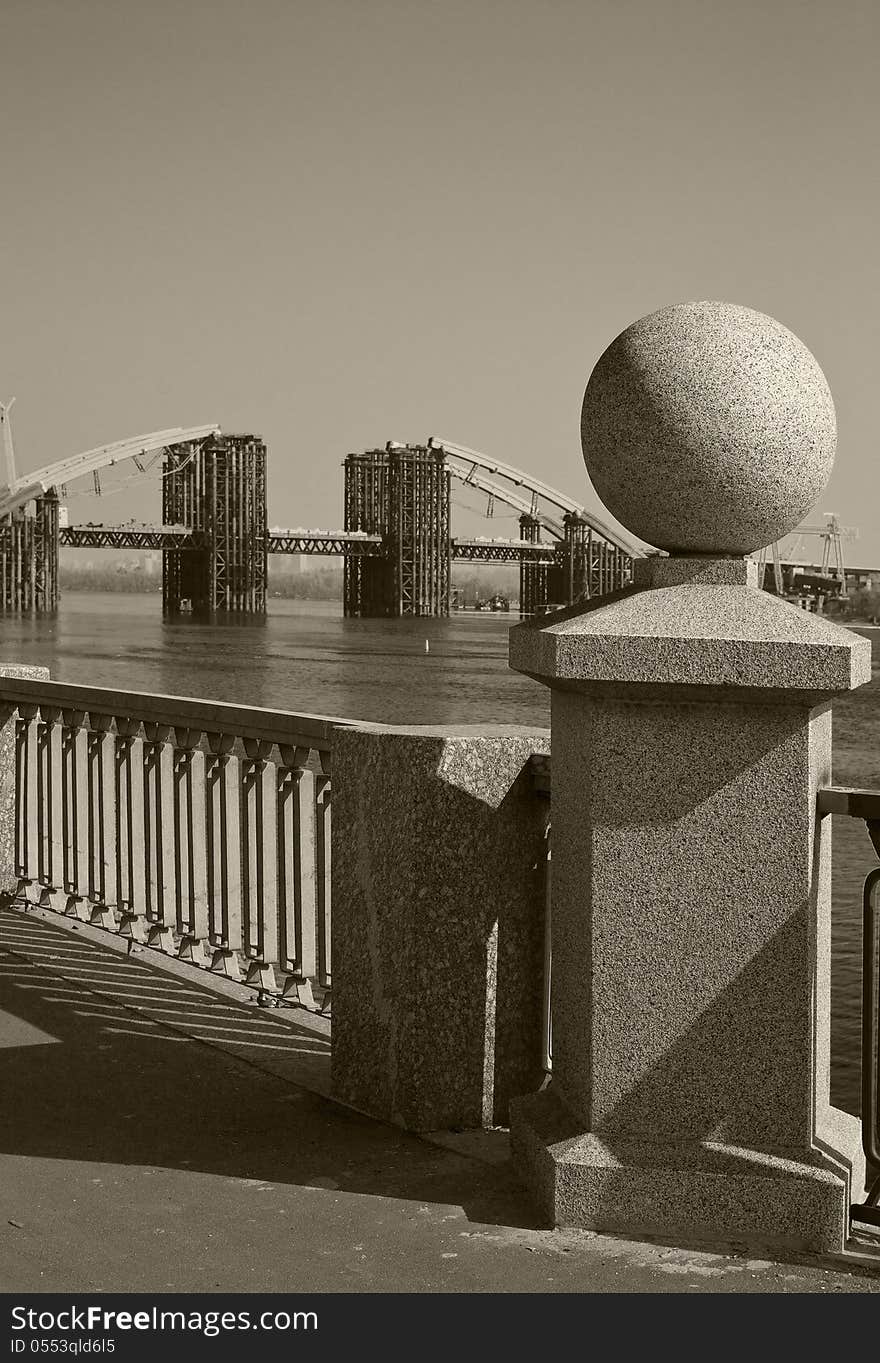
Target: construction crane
<point>771,551</point>
<point>832,534</point>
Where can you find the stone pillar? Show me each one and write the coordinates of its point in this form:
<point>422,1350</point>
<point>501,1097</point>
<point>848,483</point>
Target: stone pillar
<point>691,887</point>
<point>438,866</point>
<point>8,878</point>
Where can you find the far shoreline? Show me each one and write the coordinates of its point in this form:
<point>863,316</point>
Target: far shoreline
<point>135,585</point>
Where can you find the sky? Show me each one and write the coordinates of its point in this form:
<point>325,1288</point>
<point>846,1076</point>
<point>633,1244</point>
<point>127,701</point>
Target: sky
<point>340,222</point>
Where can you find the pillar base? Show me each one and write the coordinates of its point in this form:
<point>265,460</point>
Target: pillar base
<point>705,1191</point>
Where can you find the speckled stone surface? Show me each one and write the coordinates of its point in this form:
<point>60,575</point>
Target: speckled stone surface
<point>7,775</point>
<point>692,634</point>
<point>691,913</point>
<point>691,731</point>
<point>438,908</point>
<point>701,570</point>
<point>691,1002</point>
<point>710,1190</point>
<point>709,427</point>
<point>688,1017</point>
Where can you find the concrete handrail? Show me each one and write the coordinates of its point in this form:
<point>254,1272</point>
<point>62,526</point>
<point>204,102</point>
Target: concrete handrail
<point>244,721</point>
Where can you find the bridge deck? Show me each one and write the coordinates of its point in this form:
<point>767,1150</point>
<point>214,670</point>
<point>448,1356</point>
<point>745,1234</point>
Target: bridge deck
<point>502,551</point>
<point>329,543</point>
<point>323,542</point>
<point>182,537</point>
<point>127,537</point>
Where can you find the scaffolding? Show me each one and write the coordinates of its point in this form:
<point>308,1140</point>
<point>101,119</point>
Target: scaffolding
<point>29,556</point>
<point>607,568</point>
<point>420,551</point>
<point>587,566</point>
<point>533,575</point>
<point>366,509</point>
<point>217,488</point>
<point>403,494</point>
<point>576,552</point>
<point>28,537</point>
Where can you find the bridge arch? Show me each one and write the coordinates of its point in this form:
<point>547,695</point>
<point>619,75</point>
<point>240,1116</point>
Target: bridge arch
<point>21,490</point>
<point>471,467</point>
<point>29,543</point>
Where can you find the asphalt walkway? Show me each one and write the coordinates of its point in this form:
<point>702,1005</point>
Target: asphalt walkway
<point>159,1135</point>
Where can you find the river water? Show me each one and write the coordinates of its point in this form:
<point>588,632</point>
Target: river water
<point>308,658</point>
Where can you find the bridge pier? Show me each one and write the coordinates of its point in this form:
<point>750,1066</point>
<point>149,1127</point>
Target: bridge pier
<point>402,494</point>
<point>575,554</point>
<point>533,576</point>
<point>217,488</point>
<point>29,556</point>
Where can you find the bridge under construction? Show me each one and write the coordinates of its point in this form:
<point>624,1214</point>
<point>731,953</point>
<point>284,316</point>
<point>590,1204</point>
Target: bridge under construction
<point>397,541</point>
<point>402,494</point>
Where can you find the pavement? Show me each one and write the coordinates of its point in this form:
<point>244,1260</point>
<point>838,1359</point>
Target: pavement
<point>161,1133</point>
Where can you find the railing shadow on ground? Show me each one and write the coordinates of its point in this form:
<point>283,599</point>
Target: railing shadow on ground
<point>88,1075</point>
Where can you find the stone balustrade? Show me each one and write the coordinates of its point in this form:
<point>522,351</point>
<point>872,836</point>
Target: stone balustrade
<point>198,828</point>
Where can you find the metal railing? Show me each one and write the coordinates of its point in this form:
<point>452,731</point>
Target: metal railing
<point>194,827</point>
<point>540,771</point>
<point>865,804</point>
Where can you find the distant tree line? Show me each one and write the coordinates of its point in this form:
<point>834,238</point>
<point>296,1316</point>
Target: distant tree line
<point>106,579</point>
<point>864,605</point>
<point>312,584</point>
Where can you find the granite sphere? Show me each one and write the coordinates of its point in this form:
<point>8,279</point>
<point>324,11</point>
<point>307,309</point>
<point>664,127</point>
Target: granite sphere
<point>708,428</point>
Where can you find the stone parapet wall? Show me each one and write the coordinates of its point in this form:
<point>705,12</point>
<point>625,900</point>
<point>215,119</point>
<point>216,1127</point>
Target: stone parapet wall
<point>439,860</point>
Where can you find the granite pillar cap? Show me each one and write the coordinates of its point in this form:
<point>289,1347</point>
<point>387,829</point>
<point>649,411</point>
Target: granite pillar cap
<point>692,635</point>
<point>708,428</point>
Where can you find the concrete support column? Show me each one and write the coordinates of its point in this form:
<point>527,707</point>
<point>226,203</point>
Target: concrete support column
<point>691,906</point>
<point>438,867</point>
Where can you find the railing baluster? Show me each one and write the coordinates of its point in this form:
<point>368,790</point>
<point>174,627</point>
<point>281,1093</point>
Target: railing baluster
<point>27,829</point>
<point>296,873</point>
<point>130,854</point>
<point>50,810</point>
<point>322,871</point>
<point>224,855</point>
<point>190,851</point>
<point>75,812</point>
<point>102,820</point>
<point>159,836</point>
<point>259,857</point>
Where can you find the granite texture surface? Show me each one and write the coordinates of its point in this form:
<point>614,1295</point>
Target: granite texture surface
<point>8,877</point>
<point>701,570</point>
<point>684,916</point>
<point>692,634</point>
<point>708,1191</point>
<point>708,426</point>
<point>438,923</point>
<point>691,917</point>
